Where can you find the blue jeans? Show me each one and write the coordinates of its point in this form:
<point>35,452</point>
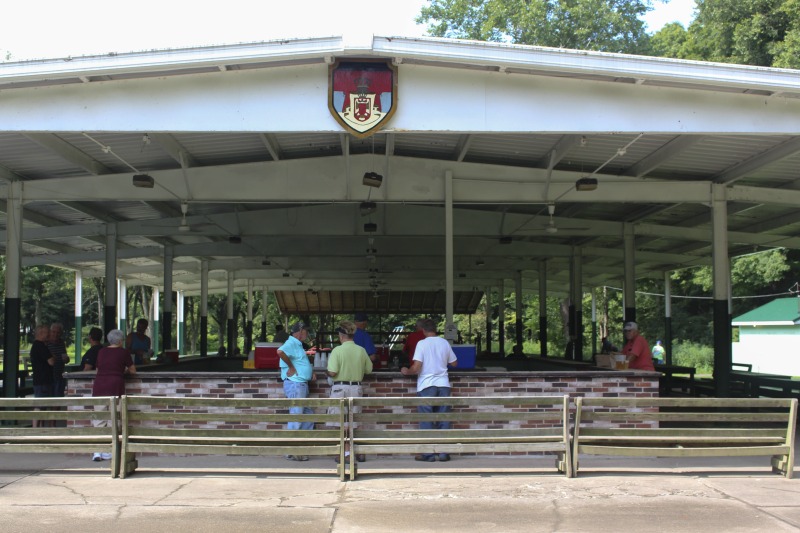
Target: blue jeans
<point>434,392</point>
<point>295,389</point>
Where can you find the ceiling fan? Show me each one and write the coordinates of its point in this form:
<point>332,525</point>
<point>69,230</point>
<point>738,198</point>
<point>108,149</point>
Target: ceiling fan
<point>551,227</point>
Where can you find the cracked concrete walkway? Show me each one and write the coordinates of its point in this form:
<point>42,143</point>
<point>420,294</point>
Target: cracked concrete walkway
<point>54,493</point>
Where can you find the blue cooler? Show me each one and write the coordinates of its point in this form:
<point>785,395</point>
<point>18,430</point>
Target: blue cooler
<point>466,354</point>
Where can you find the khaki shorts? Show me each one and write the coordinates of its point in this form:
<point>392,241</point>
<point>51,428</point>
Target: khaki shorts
<point>343,390</point>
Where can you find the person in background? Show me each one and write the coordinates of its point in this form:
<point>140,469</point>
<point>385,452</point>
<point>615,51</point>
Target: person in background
<point>606,346</point>
<point>296,372</point>
<point>280,334</point>
<point>362,338</point>
<point>113,363</point>
<point>42,364</point>
<point>659,354</point>
<point>58,349</point>
<point>139,343</point>
<point>347,365</point>
<point>411,341</point>
<point>431,359</point>
<point>636,349</point>
<point>89,360</point>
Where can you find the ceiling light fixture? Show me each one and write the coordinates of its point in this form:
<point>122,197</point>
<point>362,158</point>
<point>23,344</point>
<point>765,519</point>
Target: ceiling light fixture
<point>145,181</point>
<point>372,179</point>
<point>367,208</point>
<point>586,184</point>
<point>505,240</point>
<point>370,227</point>
<point>235,239</point>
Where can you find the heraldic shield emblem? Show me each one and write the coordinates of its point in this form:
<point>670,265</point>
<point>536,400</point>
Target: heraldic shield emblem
<point>362,95</point>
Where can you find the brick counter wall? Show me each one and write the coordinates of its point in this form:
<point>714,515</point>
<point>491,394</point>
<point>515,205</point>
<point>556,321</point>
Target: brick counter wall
<point>269,385</point>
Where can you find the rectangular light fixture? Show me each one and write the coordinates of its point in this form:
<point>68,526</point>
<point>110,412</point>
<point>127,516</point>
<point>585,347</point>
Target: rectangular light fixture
<point>586,184</point>
<point>370,227</point>
<point>144,181</point>
<point>372,179</point>
<point>367,208</point>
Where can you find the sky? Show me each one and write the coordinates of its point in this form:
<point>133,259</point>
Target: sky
<point>35,29</point>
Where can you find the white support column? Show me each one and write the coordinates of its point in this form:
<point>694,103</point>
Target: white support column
<point>668,318</point>
<point>248,334</point>
<point>156,321</point>
<point>264,317</point>
<point>594,321</point>
<point>13,305</point>
<point>166,322</point>
<point>629,288</point>
<point>518,309</point>
<point>501,317</point>
<point>577,302</point>
<point>79,314</point>
<point>450,332</point>
<point>110,309</point>
<point>543,308</point>
<point>488,312</point>
<point>181,324</point>
<point>232,338</point>
<point>122,308</point>
<point>721,263</point>
<point>204,308</point>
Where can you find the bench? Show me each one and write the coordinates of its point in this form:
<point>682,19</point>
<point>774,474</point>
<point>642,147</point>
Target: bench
<point>686,427</point>
<point>514,424</point>
<point>228,426</point>
<point>73,430</point>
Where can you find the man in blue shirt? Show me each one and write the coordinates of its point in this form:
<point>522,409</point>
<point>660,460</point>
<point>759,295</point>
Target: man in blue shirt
<point>296,373</point>
<point>362,338</point>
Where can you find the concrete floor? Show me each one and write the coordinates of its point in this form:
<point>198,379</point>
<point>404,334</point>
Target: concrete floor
<point>54,493</point>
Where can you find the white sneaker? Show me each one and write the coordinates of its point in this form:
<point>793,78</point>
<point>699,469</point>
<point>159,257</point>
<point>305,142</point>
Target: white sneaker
<point>97,457</point>
<point>106,456</point>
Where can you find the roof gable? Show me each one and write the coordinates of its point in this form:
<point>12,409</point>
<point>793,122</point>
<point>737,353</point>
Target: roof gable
<point>777,312</point>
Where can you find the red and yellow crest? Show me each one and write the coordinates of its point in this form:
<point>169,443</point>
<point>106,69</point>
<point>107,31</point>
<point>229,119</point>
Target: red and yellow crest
<point>362,95</point>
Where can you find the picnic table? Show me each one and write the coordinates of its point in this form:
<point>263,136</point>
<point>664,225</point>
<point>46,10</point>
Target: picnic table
<point>756,384</point>
<point>23,389</point>
<point>669,382</point>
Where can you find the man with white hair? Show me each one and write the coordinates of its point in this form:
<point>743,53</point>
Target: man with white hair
<point>636,349</point>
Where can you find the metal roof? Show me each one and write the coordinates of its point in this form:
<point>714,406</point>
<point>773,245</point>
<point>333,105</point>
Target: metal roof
<point>237,133</point>
<point>781,311</point>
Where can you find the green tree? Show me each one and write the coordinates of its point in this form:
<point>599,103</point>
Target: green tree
<point>750,32</point>
<point>603,25</point>
<point>673,40</point>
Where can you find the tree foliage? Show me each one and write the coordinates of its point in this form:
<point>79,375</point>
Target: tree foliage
<point>602,25</point>
<point>750,32</point>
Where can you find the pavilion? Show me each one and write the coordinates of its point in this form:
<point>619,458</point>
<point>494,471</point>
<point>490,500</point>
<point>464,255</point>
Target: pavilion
<point>224,168</point>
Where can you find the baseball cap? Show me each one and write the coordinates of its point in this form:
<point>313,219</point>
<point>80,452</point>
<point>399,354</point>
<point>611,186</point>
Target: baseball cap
<point>360,317</point>
<point>630,326</point>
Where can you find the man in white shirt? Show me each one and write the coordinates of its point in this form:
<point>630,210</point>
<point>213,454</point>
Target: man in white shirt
<point>432,356</point>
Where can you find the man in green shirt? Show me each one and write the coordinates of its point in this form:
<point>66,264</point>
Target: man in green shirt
<point>347,365</point>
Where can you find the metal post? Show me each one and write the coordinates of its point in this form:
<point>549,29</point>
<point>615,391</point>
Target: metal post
<point>518,309</point>
<point>501,319</point>
<point>110,309</point>
<point>630,274</point>
<point>450,332</point>
<point>204,308</point>
<point>181,329</point>
<point>231,322</point>
<point>543,308</point>
<point>721,262</point>
<point>122,308</point>
<point>166,320</point>
<point>667,318</point>
<point>12,299</point>
<point>156,320</point>
<point>78,314</point>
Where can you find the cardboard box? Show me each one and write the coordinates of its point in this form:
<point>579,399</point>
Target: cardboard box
<point>466,353</point>
<point>266,355</point>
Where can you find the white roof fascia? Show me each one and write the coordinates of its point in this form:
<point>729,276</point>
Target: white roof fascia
<point>776,323</point>
<point>589,63</point>
<point>163,60</point>
<point>430,49</point>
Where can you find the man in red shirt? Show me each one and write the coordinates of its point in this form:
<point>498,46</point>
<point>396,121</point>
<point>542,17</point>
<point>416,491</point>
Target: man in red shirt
<point>636,348</point>
<point>411,342</point>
